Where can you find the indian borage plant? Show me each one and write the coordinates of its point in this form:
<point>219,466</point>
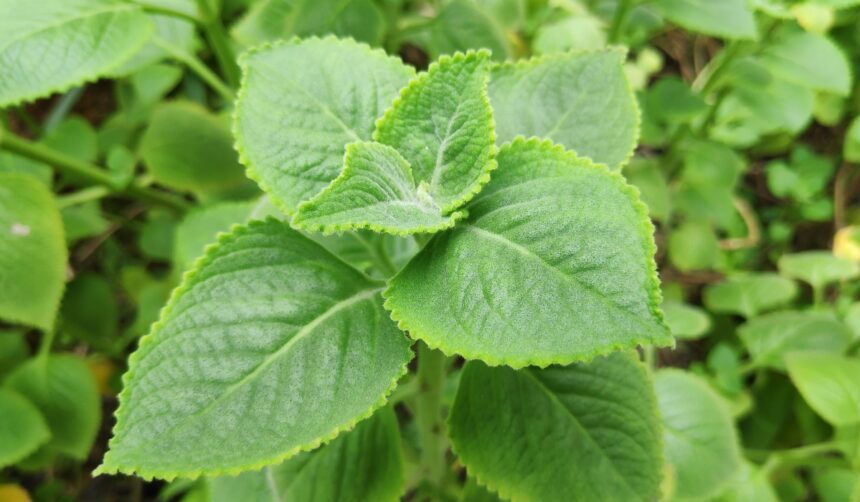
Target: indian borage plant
<point>537,268</point>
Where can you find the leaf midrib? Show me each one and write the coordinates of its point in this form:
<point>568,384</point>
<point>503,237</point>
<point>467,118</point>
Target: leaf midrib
<point>326,110</point>
<point>112,9</point>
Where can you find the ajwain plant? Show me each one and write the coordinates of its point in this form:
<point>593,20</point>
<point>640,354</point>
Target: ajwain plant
<point>536,267</point>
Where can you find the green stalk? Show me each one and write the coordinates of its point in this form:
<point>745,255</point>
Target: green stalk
<point>797,456</point>
<point>218,40</point>
<point>81,196</point>
<point>198,67</point>
<point>619,19</point>
<point>85,171</point>
<point>428,415</point>
<point>167,11</point>
<point>45,345</point>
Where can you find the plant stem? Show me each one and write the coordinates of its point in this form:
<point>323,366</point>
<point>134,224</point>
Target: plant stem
<point>429,419</point>
<point>62,108</point>
<point>198,67</point>
<point>86,171</point>
<point>618,19</point>
<point>220,43</point>
<point>45,344</point>
<point>796,456</point>
<point>81,196</point>
<point>167,11</point>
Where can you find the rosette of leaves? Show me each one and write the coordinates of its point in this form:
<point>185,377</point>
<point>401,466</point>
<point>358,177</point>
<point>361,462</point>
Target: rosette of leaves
<point>531,256</point>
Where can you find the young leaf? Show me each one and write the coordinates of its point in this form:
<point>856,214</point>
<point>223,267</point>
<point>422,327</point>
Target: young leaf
<point>53,45</point>
<point>686,321</point>
<point>699,437</point>
<point>23,429</point>
<point>828,383</point>
<point>376,190</point>
<point>442,124</point>
<point>809,60</point>
<point>580,100</point>
<point>32,252</point>
<point>301,102</point>
<point>553,265</point>
<point>818,268</point>
<point>64,391</point>
<point>363,464</point>
<point>722,18</point>
<point>770,337</point>
<point>749,295</point>
<point>585,431</point>
<point>270,346</point>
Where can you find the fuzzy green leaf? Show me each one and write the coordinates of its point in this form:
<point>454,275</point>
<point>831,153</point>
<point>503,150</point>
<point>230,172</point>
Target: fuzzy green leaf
<point>52,45</point>
<point>22,429</point>
<point>442,124</point>
<point>585,431</point>
<point>32,252</point>
<point>363,464</point>
<point>301,102</point>
<point>770,337</point>
<point>828,382</point>
<point>580,100</point>
<point>553,265</point>
<point>64,391</point>
<point>270,346</point>
<point>699,438</point>
<point>376,190</point>
<point>721,18</point>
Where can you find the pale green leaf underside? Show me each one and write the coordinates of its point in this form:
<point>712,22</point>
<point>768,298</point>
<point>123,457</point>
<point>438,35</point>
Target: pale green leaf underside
<point>270,346</point>
<point>22,429</point>
<point>828,382</point>
<point>301,102</point>
<point>770,337</point>
<point>442,124</point>
<point>554,264</point>
<point>699,438</point>
<point>365,463</point>
<point>376,190</point>
<point>582,432</point>
<point>580,100</point>
<point>48,46</point>
<point>32,252</point>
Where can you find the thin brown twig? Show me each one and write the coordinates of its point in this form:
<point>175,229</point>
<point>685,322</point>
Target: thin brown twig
<point>753,229</point>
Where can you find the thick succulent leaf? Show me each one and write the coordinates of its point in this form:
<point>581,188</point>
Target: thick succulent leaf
<point>581,100</point>
<point>22,429</point>
<point>32,252</point>
<point>828,382</point>
<point>376,190</point>
<point>52,45</point>
<point>270,346</point>
<point>553,265</point>
<point>699,438</point>
<point>770,337</point>
<point>721,18</point>
<point>64,390</point>
<point>581,432</point>
<point>749,295</point>
<point>301,102</point>
<point>442,124</point>
<point>365,463</point>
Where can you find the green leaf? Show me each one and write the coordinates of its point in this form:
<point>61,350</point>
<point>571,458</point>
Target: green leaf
<point>64,391</point>
<point>463,24</point>
<point>770,337</point>
<point>187,148</point>
<point>828,383</point>
<point>749,294</point>
<point>200,226</point>
<point>810,60</point>
<point>54,45</point>
<point>752,484</point>
<point>264,312</point>
<point>83,220</point>
<point>473,492</point>
<point>693,246</point>
<point>722,18</point>
<point>376,190</point>
<point>301,102</point>
<point>22,430</point>
<point>90,311</point>
<point>442,124</point>
<point>14,350</point>
<point>645,174</point>
<point>818,268</point>
<point>564,232</point>
<point>686,321</point>
<point>835,484</point>
<point>699,438</point>
<point>176,33</point>
<point>579,32</point>
<point>586,431</point>
<point>851,148</point>
<point>580,100</point>
<point>32,252</point>
<point>363,464</point>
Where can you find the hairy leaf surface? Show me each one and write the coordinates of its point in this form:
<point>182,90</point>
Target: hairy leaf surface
<point>580,100</point>
<point>22,429</point>
<point>32,252</point>
<point>580,432</point>
<point>553,265</point>
<point>365,463</point>
<point>52,45</point>
<point>442,124</point>
<point>270,346</point>
<point>301,102</point>
<point>376,190</point>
